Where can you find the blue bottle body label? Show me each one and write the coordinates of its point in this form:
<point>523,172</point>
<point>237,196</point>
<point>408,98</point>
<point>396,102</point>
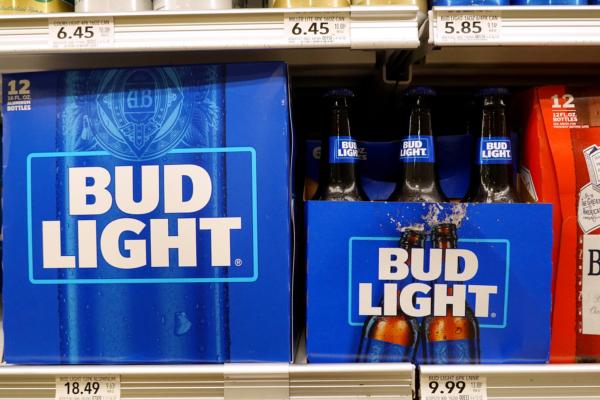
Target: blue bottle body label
<point>417,149</point>
<point>452,352</point>
<point>494,150</point>
<point>374,351</point>
<point>343,150</point>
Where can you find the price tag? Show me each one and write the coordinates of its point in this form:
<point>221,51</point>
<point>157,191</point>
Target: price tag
<point>467,26</point>
<point>76,33</point>
<point>88,387</point>
<point>317,28</point>
<point>453,387</point>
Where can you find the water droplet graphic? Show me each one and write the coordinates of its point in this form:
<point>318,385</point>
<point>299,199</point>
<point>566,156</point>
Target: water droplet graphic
<point>182,324</point>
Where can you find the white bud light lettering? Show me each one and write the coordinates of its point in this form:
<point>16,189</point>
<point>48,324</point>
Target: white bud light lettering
<point>220,241</point>
<point>495,150</point>
<point>415,306</point>
<point>135,248</point>
<point>420,299</point>
<point>130,243</point>
<point>343,150</point>
<point>392,264</point>
<point>417,149</point>
<point>365,304</point>
<point>184,242</point>
<point>87,191</point>
<point>51,243</point>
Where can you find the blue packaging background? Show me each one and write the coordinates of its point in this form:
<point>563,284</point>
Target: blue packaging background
<point>333,325</point>
<point>130,328</point>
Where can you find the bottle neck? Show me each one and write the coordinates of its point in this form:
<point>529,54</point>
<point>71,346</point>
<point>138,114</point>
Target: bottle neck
<point>339,156</point>
<point>417,153</point>
<point>495,149</point>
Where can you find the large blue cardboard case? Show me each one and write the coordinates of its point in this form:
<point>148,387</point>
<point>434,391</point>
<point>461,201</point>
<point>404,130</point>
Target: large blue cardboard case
<point>506,284</point>
<point>147,215</point>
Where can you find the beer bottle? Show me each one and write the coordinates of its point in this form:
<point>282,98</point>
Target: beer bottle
<point>338,179</point>
<point>392,338</point>
<point>418,180</point>
<point>493,175</point>
<point>450,339</point>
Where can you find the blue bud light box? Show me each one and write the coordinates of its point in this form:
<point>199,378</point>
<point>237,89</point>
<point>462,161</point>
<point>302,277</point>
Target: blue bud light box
<point>383,288</point>
<point>147,215</point>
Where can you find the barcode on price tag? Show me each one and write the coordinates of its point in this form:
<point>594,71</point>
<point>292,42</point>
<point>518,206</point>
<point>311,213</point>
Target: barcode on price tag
<point>467,26</point>
<point>317,28</point>
<point>453,387</point>
<point>78,33</point>
<point>88,387</point>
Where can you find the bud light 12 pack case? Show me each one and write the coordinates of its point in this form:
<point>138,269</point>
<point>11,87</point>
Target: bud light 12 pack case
<point>472,286</point>
<point>148,215</point>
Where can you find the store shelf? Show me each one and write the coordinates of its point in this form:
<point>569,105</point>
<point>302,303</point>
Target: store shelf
<point>515,382</point>
<point>526,26</point>
<point>232,381</point>
<point>384,27</point>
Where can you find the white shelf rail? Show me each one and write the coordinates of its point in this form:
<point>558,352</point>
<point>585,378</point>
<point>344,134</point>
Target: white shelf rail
<point>526,26</point>
<point>228,382</point>
<point>523,382</point>
<point>382,27</point>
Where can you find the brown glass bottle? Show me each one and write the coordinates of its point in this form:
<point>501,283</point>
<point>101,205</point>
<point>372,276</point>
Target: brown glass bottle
<point>418,180</point>
<point>338,179</point>
<point>392,338</point>
<point>450,339</point>
<point>493,180</point>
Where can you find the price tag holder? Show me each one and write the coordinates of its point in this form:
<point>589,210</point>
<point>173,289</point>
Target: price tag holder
<point>88,387</point>
<point>453,387</point>
<point>467,26</point>
<point>81,33</point>
<point>316,29</point>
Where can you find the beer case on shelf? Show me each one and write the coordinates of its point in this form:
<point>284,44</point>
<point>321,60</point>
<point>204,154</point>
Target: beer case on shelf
<point>148,215</point>
<point>560,166</point>
<point>498,280</point>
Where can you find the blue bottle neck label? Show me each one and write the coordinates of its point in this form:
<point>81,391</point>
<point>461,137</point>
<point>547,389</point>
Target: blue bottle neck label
<point>495,150</point>
<point>379,351</point>
<point>417,149</point>
<point>452,352</point>
<point>343,150</point>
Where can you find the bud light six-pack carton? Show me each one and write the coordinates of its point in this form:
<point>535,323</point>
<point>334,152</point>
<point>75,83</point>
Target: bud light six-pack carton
<point>562,166</point>
<point>473,284</point>
<point>148,215</point>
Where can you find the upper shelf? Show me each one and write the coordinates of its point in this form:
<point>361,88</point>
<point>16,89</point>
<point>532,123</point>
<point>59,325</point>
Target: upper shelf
<point>382,27</point>
<point>518,26</point>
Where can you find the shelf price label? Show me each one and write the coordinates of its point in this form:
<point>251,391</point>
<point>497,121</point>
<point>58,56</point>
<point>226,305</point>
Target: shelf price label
<point>453,387</point>
<point>80,33</point>
<point>317,28</point>
<point>467,26</point>
<point>88,387</point>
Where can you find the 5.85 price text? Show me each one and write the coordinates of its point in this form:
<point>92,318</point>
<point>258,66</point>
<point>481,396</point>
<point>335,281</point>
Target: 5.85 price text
<point>464,27</point>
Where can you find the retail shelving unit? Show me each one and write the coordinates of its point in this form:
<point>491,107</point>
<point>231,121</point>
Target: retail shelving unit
<point>520,382</point>
<point>231,382</point>
<point>568,35</point>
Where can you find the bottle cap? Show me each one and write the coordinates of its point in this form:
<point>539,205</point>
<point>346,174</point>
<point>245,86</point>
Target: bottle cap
<point>412,238</point>
<point>444,229</point>
<point>493,91</point>
<point>339,92</point>
<point>420,91</point>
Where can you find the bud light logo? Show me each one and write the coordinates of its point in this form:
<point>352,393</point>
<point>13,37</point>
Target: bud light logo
<point>109,221</point>
<point>495,150</point>
<point>417,149</point>
<point>343,150</point>
<point>475,275</point>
